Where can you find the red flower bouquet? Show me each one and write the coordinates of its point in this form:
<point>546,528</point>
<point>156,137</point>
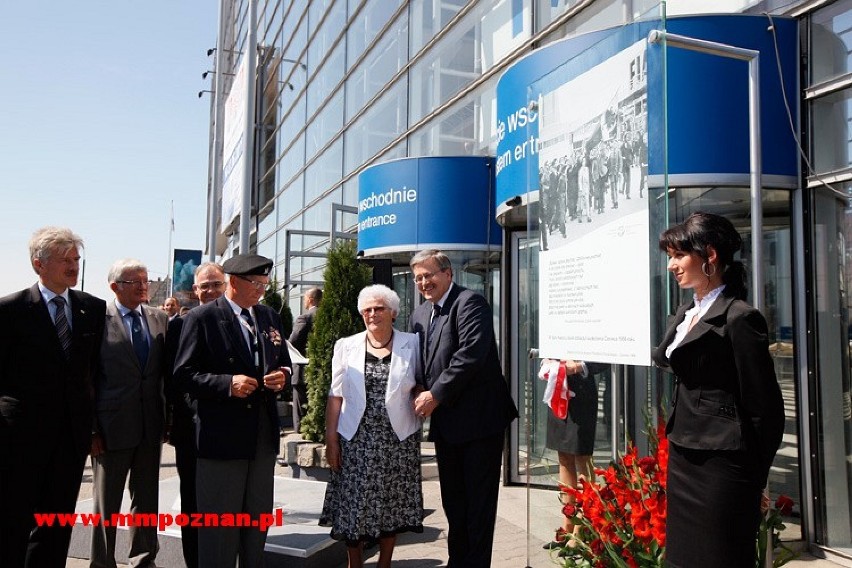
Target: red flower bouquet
<point>622,514</point>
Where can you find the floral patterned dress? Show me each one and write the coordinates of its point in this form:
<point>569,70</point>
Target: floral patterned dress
<point>377,491</point>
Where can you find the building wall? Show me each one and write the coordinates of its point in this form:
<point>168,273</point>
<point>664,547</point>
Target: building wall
<point>375,80</point>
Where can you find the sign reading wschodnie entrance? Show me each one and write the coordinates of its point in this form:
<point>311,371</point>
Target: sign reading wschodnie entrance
<point>415,203</point>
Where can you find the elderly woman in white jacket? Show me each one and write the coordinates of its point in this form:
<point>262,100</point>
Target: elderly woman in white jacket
<point>372,434</point>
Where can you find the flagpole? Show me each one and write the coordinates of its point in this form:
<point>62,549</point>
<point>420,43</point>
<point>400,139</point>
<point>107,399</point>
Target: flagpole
<point>171,264</point>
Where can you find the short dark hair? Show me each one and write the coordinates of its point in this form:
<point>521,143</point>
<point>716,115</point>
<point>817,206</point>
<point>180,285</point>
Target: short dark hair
<point>315,295</point>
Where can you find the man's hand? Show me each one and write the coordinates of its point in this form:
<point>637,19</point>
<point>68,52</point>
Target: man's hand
<point>425,404</point>
<point>242,386</point>
<point>275,380</point>
<point>98,446</point>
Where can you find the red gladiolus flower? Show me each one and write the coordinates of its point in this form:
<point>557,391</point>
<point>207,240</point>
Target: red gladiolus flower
<point>647,464</point>
<point>784,505</point>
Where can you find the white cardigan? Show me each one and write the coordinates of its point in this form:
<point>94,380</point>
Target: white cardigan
<point>347,382</point>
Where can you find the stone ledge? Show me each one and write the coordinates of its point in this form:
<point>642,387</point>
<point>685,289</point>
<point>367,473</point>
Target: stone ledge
<point>306,459</point>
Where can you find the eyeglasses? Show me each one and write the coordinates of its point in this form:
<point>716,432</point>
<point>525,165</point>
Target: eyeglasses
<point>375,310</point>
<point>258,285</point>
<point>134,283</point>
<point>205,286</point>
<point>426,276</point>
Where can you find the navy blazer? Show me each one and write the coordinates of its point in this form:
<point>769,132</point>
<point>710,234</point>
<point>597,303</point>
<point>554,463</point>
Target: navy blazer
<point>40,390</point>
<point>462,369</point>
<point>726,394</point>
<point>212,349</point>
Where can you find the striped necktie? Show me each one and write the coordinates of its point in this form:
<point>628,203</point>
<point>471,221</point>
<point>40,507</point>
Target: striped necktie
<point>63,330</point>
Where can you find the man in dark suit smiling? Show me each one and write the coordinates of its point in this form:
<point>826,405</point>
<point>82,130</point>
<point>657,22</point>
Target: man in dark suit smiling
<point>469,402</point>
<point>233,361</point>
<point>50,337</point>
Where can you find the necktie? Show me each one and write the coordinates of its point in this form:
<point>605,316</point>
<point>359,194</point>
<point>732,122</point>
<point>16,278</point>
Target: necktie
<point>433,321</point>
<point>246,316</point>
<point>137,336</point>
<point>63,330</point>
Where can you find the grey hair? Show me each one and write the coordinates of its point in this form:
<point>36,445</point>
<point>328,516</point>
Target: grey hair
<point>119,267</point>
<point>424,255</point>
<point>379,292</point>
<point>48,239</point>
<point>206,266</point>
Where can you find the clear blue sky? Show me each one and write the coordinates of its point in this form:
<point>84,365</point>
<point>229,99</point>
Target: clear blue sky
<point>101,129</point>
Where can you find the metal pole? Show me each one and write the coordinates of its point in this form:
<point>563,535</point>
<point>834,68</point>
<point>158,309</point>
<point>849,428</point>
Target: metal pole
<point>248,132</point>
<point>169,261</point>
<point>755,183</point>
<point>216,151</point>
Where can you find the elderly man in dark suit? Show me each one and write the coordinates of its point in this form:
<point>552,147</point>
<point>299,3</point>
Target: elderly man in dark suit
<point>129,407</point>
<point>233,361</point>
<point>49,341</point>
<point>469,402</point>
<point>299,339</point>
<point>209,285</point>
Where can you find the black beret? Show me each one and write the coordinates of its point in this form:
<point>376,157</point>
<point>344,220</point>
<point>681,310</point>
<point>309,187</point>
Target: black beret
<point>247,265</point>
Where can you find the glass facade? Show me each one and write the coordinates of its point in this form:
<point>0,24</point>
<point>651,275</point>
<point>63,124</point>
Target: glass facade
<point>345,84</point>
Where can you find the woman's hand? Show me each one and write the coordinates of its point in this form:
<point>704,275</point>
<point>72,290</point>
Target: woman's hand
<point>332,452</point>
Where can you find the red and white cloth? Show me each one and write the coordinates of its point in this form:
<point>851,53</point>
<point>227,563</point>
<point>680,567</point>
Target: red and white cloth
<point>556,394</point>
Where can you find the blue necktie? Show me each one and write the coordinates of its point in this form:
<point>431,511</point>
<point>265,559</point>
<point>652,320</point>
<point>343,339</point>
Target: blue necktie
<point>63,330</point>
<point>137,336</point>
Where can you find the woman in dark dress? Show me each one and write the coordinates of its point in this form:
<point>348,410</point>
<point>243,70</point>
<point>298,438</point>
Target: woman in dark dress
<point>727,413</point>
<point>573,437</point>
<point>372,434</point>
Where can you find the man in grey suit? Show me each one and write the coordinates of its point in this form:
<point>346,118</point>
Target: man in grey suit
<point>469,402</point>
<point>129,410</point>
<point>299,339</point>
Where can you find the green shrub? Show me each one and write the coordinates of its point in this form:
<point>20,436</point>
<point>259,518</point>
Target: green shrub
<point>272,298</point>
<point>337,316</point>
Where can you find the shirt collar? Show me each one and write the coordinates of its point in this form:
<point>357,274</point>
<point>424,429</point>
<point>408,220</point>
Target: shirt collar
<point>48,294</point>
<point>123,310</point>
<point>236,307</point>
<point>709,298</point>
<point>440,303</point>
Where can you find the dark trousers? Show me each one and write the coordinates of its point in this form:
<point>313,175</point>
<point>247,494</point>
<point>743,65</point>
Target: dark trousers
<point>42,479</point>
<point>470,483</point>
<point>185,457</point>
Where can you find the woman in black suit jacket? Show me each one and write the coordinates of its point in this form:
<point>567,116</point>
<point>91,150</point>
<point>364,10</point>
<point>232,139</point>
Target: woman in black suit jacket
<point>727,414</point>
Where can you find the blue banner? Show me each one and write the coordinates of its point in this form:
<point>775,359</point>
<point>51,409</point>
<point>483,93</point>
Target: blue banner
<point>435,202</point>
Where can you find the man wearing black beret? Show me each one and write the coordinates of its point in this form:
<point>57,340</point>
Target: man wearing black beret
<point>232,360</point>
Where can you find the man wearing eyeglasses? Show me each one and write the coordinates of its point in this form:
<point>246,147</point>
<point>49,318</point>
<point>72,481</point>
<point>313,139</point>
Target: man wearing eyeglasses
<point>468,401</point>
<point>233,361</point>
<point>209,285</point>
<point>130,415</point>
